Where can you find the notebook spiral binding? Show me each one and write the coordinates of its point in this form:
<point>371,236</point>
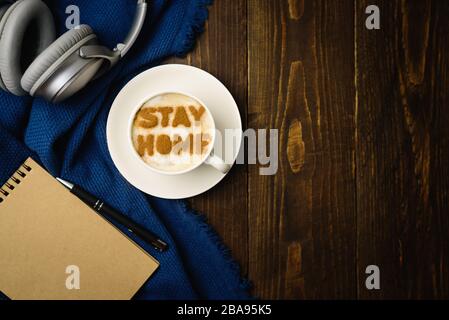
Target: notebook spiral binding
<point>12,183</point>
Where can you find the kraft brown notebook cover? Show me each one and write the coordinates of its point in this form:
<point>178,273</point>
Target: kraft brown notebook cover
<point>44,229</point>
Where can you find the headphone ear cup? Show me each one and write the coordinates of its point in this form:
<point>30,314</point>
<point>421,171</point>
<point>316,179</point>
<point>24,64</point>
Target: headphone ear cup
<point>21,19</point>
<point>3,10</point>
<point>56,54</point>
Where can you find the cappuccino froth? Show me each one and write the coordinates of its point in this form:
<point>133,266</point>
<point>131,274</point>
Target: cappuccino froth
<point>173,132</point>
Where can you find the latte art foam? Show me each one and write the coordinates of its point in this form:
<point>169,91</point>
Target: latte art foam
<point>173,132</point>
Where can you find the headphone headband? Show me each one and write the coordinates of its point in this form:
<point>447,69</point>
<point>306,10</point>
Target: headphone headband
<point>113,56</point>
<point>139,20</point>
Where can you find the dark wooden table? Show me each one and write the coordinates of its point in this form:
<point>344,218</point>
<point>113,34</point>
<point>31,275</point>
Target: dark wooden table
<point>364,145</point>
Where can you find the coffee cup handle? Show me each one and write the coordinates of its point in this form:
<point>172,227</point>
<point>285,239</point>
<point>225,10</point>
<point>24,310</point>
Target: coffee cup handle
<point>218,163</point>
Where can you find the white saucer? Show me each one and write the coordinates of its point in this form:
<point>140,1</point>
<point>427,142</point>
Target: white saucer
<point>172,78</point>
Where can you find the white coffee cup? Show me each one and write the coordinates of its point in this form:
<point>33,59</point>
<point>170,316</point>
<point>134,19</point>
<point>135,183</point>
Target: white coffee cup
<point>209,158</point>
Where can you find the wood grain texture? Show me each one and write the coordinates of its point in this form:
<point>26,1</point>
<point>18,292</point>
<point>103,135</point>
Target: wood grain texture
<point>302,220</point>
<point>363,145</point>
<point>402,149</point>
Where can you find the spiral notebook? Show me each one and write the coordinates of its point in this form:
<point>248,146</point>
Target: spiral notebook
<point>53,246</point>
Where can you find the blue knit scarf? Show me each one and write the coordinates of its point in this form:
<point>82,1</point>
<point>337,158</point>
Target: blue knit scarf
<point>69,139</point>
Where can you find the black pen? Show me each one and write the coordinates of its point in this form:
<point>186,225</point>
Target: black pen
<point>106,211</point>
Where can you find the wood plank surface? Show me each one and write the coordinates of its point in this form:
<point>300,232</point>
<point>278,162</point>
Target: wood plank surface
<point>301,82</point>
<point>363,173</point>
<point>403,148</point>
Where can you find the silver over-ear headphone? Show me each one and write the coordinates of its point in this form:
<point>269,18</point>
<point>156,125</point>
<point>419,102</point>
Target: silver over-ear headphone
<point>60,67</point>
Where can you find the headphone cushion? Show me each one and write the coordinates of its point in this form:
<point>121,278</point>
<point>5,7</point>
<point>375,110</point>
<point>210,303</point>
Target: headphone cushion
<point>3,10</point>
<point>52,54</point>
<point>14,25</point>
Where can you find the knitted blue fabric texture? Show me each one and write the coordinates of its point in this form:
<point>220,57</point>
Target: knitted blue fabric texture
<point>69,139</point>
